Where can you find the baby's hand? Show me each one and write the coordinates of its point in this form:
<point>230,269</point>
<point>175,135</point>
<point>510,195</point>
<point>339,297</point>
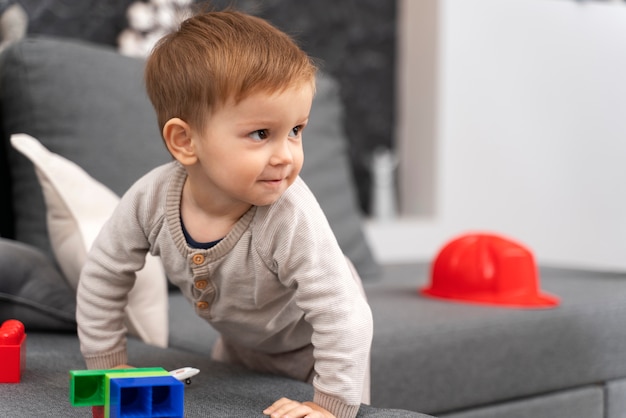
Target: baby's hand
<point>123,366</point>
<point>286,408</point>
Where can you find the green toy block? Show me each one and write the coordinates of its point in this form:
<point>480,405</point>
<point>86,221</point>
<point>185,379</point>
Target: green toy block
<point>88,387</point>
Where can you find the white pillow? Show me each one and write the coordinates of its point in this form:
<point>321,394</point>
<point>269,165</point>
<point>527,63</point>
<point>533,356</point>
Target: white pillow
<point>77,207</point>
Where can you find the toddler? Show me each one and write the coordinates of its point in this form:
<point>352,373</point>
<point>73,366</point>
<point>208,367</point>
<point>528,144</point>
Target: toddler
<point>236,228</point>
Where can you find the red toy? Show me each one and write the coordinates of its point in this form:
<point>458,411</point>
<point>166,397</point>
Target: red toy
<point>487,269</point>
<point>12,351</point>
<point>97,412</point>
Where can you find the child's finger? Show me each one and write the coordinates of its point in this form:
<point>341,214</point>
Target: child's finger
<point>276,405</point>
<point>287,407</point>
<point>301,411</point>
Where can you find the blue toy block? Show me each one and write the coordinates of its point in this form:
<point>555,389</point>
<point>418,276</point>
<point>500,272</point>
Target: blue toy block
<point>139,397</point>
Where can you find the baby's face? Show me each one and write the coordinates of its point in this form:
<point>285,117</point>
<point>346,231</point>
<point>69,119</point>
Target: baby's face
<point>251,151</point>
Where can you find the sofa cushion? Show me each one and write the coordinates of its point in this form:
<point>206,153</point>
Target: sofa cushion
<point>585,402</point>
<point>77,208</point>
<point>479,355</point>
<point>83,102</point>
<point>32,289</point>
<point>615,398</point>
<point>88,104</point>
<point>220,390</point>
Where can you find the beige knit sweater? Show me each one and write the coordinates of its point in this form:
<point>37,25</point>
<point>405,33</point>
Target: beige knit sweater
<point>277,283</point>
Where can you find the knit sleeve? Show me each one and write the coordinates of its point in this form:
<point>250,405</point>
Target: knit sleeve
<point>308,257</point>
<point>107,277</point>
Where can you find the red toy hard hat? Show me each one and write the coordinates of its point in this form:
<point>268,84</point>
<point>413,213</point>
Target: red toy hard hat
<point>487,269</point>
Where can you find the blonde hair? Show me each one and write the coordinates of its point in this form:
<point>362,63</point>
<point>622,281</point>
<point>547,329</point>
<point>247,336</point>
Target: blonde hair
<point>219,56</point>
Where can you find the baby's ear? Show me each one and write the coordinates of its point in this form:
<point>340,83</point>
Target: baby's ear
<point>177,135</point>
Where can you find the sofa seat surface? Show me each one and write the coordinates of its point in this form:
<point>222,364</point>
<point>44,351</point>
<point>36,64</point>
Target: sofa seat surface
<point>219,390</point>
<point>437,356</point>
<point>585,402</point>
<point>616,399</point>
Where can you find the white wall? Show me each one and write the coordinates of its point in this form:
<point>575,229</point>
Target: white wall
<point>529,129</point>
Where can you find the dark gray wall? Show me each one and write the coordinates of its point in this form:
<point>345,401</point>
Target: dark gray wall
<point>354,39</point>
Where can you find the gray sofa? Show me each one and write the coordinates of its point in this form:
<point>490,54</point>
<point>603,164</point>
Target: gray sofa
<point>86,103</point>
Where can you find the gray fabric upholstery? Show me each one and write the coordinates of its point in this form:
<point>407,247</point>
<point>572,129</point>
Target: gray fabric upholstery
<point>616,399</point>
<point>87,103</point>
<point>477,355</point>
<point>587,402</point>
<point>83,102</point>
<point>33,290</point>
<point>218,391</point>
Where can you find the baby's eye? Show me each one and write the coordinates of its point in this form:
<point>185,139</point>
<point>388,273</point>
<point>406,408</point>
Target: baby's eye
<point>295,131</point>
<point>259,135</point>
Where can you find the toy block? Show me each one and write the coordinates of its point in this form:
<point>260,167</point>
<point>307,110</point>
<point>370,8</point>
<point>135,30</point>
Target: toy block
<point>12,351</point>
<point>148,396</point>
<point>131,373</point>
<point>88,387</point>
<point>97,412</point>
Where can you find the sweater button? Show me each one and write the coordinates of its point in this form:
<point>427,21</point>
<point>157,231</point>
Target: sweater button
<point>202,305</point>
<point>200,284</point>
<point>197,259</point>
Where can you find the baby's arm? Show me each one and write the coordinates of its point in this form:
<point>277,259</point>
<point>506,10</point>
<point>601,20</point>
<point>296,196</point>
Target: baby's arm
<point>342,331</point>
<point>307,258</point>
<point>106,279</point>
<point>287,408</point>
